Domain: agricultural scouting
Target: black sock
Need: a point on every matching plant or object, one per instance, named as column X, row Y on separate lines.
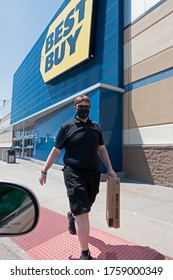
column 85, row 253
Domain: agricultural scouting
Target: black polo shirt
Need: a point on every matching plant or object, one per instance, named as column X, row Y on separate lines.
column 81, row 141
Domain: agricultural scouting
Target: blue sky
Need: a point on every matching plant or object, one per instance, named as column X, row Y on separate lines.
column 21, row 24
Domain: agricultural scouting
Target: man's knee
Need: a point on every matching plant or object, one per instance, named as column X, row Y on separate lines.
column 82, row 221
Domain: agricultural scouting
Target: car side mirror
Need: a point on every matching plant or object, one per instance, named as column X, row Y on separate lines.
column 19, row 209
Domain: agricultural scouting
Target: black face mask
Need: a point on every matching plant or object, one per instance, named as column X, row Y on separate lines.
column 82, row 113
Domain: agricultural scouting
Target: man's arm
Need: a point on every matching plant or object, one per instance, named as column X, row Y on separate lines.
column 50, row 160
column 106, row 160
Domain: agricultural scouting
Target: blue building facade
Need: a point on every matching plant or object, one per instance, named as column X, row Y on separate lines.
column 39, row 108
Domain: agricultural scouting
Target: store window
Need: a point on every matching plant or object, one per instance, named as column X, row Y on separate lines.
column 23, row 142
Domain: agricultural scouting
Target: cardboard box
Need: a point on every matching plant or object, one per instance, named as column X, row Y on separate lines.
column 113, row 202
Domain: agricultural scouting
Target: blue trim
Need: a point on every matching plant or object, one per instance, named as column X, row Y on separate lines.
column 150, row 79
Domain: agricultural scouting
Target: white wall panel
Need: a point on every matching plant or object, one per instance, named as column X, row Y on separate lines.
column 135, row 8
column 153, row 135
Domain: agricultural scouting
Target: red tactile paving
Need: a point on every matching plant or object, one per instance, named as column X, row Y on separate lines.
column 51, row 241
column 50, row 225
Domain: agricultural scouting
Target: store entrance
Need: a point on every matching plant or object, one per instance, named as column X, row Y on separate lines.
column 17, row 145
column 28, row 147
column 23, row 142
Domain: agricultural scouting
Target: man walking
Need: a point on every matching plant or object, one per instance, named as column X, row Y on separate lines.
column 83, row 143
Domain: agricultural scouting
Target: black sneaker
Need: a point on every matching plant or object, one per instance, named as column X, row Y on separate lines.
column 71, row 223
column 86, row 256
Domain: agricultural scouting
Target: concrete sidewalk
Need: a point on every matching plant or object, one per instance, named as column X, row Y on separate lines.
column 146, row 210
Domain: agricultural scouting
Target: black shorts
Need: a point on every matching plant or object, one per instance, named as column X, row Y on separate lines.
column 82, row 188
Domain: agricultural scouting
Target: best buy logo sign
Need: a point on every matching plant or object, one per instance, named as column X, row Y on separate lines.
column 67, row 43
